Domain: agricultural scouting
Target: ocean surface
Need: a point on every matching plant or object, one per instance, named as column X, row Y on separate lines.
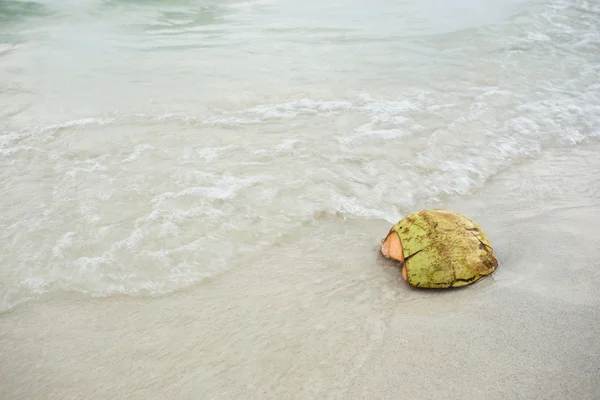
column 146, row 146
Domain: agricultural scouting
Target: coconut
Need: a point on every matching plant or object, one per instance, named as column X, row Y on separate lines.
column 439, row 249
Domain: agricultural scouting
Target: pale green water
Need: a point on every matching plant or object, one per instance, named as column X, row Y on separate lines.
column 136, row 137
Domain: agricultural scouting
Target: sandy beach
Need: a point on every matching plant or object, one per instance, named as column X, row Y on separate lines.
column 303, row 327
column 194, row 194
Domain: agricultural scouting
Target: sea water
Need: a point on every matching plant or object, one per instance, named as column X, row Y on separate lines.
column 148, row 145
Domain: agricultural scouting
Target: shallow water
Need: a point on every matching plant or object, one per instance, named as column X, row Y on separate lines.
column 146, row 146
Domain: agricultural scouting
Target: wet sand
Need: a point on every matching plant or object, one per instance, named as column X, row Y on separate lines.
column 321, row 315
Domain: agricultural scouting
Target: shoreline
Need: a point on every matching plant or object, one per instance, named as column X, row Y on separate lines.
column 339, row 322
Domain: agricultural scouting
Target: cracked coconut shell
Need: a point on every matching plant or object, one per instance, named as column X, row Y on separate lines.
column 440, row 249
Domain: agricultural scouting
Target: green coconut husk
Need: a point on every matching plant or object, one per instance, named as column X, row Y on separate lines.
column 440, row 249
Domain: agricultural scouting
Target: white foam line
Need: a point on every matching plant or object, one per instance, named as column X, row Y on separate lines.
column 137, row 152
column 76, row 123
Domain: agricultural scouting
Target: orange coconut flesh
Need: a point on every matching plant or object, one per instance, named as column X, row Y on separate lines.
column 392, row 248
